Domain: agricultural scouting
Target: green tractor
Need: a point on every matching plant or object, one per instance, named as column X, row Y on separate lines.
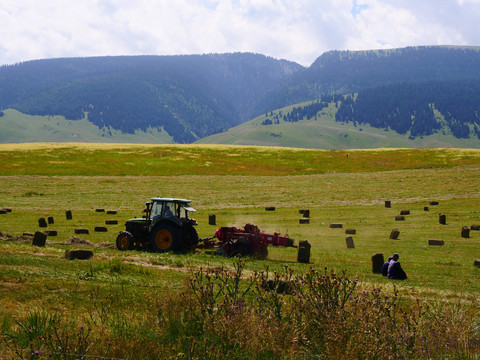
column 166, row 226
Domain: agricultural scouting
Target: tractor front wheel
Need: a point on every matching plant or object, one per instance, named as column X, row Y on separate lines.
column 124, row 241
column 165, row 237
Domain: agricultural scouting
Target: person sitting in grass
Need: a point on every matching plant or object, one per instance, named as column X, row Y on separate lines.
column 395, row 270
column 385, row 266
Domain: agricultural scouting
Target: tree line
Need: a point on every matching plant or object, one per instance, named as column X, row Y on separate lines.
column 417, row 108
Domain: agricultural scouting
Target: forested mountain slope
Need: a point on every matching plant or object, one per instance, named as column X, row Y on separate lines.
column 187, row 96
column 418, row 109
column 345, row 72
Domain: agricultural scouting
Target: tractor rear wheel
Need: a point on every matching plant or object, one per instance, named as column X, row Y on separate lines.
column 190, row 237
column 125, row 241
column 165, row 237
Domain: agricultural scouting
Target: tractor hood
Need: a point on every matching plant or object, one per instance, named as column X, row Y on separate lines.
column 137, row 220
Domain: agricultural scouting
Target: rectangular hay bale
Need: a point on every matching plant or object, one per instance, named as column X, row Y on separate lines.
column 349, row 241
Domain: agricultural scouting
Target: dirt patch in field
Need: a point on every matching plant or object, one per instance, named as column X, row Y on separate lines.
column 8, row 237
column 76, row 241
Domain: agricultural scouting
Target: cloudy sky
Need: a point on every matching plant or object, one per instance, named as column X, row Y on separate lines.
column 297, row 30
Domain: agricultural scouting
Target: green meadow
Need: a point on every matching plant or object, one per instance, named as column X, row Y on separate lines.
column 125, row 297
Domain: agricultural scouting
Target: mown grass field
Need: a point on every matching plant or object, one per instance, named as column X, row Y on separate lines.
column 235, row 184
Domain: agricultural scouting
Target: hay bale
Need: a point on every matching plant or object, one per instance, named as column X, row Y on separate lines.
column 476, row 263
column 405, row 212
column 336, row 225
column 349, row 241
column 3, row 212
column 68, row 214
column 394, row 234
column 436, row 242
column 9, row 210
column 433, row 202
column 81, row 231
column 442, row 219
column 99, row 210
column 51, row 232
column 112, row 212
column 303, row 255
column 350, row 231
column 111, row 222
column 78, row 254
column 399, row 218
column 425, row 208
column 100, row 229
column 465, row 232
column 50, row 220
column 475, row 227
column 42, row 222
column 270, row 208
column 39, row 239
column 388, row 204
column 377, row 263
column 212, row 219
column 304, row 221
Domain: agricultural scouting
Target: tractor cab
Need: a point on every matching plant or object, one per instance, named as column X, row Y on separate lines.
column 176, row 210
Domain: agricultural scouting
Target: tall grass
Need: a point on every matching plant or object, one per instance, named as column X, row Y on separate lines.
column 283, row 315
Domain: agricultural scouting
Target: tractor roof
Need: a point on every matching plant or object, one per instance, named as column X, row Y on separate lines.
column 182, row 201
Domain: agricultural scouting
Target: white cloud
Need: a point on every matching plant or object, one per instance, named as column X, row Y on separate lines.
column 295, row 30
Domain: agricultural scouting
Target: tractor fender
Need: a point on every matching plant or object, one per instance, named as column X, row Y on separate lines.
column 158, row 222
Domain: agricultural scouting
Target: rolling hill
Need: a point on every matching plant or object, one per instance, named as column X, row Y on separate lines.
column 322, row 131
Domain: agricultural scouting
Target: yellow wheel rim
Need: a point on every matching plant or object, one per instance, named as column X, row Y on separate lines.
column 123, row 242
column 163, row 239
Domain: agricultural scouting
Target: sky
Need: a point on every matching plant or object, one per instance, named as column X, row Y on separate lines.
column 295, row 30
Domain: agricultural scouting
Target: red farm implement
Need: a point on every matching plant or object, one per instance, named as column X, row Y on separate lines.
column 248, row 241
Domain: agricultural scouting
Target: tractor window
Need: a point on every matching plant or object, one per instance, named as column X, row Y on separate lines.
column 185, row 210
column 183, row 213
column 156, row 209
column 169, row 210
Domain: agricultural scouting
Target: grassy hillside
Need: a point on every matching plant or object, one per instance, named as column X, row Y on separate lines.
column 130, row 304
column 22, row 128
column 326, row 133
